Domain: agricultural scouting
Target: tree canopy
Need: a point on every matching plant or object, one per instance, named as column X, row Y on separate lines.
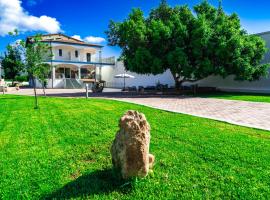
column 191, row 44
column 12, row 63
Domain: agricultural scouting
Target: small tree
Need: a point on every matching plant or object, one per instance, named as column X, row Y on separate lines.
column 35, row 54
column 12, row 63
column 192, row 45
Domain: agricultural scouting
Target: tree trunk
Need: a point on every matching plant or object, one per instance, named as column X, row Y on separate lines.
column 44, row 92
column 178, row 83
column 35, row 92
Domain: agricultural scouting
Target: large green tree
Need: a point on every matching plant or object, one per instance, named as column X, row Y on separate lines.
column 191, row 44
column 12, row 63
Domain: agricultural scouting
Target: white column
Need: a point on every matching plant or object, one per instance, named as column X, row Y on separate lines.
column 100, row 60
column 53, row 72
column 79, row 72
column 53, row 76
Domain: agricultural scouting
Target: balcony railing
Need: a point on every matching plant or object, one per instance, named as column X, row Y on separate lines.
column 94, row 60
column 109, row 60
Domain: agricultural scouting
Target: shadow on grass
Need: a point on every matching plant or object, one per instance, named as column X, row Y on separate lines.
column 98, row 182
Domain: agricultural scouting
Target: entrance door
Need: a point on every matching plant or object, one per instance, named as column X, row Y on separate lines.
column 67, row 72
column 74, row 73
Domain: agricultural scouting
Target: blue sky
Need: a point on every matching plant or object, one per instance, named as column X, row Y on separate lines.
column 87, row 18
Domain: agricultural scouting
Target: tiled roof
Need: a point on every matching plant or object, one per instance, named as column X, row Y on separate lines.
column 64, row 39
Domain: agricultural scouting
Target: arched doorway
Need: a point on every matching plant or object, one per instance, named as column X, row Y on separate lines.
column 66, row 71
column 88, row 71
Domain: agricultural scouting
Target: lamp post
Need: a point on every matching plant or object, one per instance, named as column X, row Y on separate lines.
column 86, row 90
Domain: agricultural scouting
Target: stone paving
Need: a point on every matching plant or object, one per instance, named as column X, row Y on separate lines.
column 250, row 114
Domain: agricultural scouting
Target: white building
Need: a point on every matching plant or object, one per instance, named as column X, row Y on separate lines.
column 73, row 61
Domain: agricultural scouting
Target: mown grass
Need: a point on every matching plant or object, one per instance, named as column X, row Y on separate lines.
column 61, row 151
column 239, row 96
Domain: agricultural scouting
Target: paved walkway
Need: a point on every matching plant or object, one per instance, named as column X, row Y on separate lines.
column 57, row 92
column 250, row 114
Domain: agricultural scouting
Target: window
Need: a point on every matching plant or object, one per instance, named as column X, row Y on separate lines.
column 76, row 54
column 88, row 57
column 60, row 52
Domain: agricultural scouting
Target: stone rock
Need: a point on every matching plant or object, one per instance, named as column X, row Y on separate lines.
column 130, row 148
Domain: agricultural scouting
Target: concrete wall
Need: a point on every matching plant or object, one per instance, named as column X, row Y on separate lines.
column 229, row 84
column 108, row 73
column 58, row 83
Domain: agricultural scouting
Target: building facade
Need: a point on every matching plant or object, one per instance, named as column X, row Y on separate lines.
column 73, row 61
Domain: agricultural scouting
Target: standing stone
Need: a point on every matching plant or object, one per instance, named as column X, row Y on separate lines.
column 130, row 148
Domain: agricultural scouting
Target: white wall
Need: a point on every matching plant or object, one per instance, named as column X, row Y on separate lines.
column 108, row 73
column 66, row 49
column 58, row 83
column 229, row 84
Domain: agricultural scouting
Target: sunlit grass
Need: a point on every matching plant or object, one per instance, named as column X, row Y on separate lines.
column 240, row 96
column 62, row 151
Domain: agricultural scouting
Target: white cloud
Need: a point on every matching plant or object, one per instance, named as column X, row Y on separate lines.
column 13, row 16
column 78, row 37
column 90, row 39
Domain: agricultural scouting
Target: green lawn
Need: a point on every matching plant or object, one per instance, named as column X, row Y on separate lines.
column 239, row 96
column 62, row 151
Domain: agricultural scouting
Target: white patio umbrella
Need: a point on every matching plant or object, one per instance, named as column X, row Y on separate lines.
column 124, row 76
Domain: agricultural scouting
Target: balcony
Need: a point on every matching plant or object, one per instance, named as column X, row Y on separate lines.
column 94, row 60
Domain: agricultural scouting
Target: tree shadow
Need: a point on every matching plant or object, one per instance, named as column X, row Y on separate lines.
column 98, row 182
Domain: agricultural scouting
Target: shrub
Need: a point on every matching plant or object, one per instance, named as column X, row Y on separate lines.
column 22, row 78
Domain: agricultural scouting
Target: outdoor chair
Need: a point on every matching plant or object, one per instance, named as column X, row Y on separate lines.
column 141, row 89
column 132, row 89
